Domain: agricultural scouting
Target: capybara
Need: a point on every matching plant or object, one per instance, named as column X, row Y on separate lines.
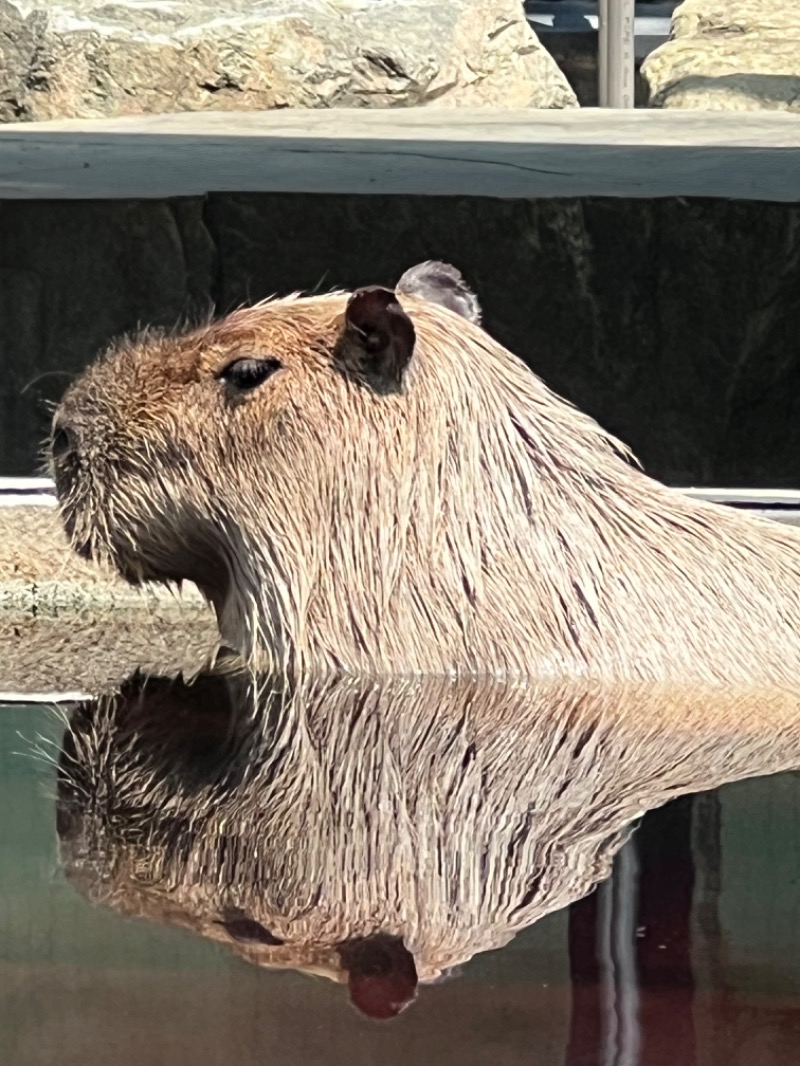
column 334, row 826
column 368, row 483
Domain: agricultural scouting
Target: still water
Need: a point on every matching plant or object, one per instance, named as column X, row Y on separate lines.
column 182, row 892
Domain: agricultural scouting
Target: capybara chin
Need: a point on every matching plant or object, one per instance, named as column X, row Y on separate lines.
column 369, row 483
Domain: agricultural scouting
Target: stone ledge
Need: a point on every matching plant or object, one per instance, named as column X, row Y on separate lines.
column 40, row 572
column 67, row 626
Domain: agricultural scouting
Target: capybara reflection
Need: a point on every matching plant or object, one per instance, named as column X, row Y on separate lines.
column 369, row 483
column 383, row 833
column 381, row 975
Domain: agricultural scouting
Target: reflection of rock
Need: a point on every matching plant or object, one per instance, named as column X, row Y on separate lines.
column 729, row 55
column 88, row 58
column 449, row 815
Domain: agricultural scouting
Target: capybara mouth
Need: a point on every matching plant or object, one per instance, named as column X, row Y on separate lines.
column 111, row 521
column 96, row 536
column 91, row 539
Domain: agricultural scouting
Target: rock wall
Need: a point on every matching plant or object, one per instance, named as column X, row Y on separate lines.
column 674, row 323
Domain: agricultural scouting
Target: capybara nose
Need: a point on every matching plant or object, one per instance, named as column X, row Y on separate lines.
column 62, row 441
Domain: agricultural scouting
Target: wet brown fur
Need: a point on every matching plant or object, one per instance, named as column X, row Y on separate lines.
column 468, row 520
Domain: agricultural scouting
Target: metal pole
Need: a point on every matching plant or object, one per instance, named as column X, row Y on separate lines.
column 602, row 53
column 615, row 61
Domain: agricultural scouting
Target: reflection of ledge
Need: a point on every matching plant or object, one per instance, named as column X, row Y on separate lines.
column 61, row 654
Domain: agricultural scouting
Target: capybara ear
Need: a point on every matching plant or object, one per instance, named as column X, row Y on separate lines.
column 442, row 284
column 381, row 974
column 379, row 336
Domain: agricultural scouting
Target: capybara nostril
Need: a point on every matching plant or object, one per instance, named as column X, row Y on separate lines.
column 62, row 441
column 240, row 928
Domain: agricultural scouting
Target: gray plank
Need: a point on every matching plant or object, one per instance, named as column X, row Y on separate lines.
column 425, row 151
column 749, row 497
column 783, row 505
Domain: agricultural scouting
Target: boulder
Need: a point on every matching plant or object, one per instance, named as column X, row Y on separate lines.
column 729, row 55
column 89, row 58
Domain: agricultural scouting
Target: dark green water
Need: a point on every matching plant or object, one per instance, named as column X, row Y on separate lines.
column 690, row 955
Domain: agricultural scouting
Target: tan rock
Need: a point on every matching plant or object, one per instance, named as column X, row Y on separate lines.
column 729, row 55
column 88, row 651
column 85, row 58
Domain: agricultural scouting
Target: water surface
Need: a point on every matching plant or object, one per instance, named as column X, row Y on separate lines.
column 689, row 953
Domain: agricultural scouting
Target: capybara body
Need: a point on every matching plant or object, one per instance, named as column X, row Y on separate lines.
column 370, row 483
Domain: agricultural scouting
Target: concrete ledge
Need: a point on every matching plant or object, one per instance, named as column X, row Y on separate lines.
column 417, row 151
column 69, row 627
column 39, row 572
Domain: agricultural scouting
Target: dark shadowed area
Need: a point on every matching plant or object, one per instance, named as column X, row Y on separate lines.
column 672, row 322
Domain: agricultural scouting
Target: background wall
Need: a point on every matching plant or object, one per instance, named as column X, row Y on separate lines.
column 675, row 323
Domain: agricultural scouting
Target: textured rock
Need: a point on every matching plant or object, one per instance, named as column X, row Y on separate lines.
column 88, row 58
column 730, row 55
column 17, row 46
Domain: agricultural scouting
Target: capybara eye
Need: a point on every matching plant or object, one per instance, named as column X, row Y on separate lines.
column 247, row 929
column 248, row 373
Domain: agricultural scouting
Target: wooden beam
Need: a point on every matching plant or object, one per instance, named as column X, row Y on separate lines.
column 415, row 151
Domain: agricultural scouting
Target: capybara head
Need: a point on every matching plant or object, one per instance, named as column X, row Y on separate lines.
column 369, row 483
